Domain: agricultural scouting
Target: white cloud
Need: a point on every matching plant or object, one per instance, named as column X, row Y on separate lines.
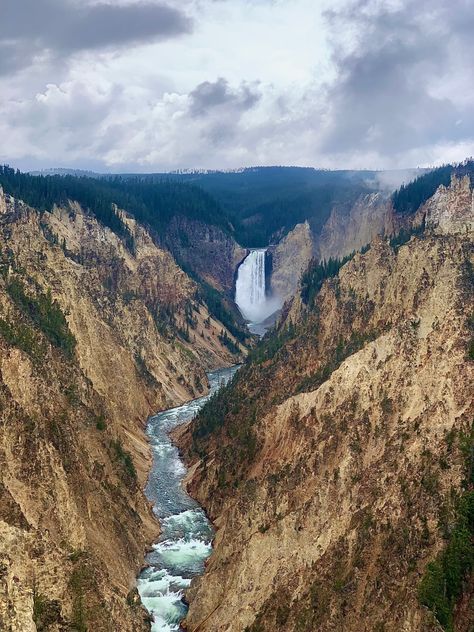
column 256, row 82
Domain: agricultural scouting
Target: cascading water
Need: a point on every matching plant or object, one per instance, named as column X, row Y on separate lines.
column 186, row 533
column 250, row 290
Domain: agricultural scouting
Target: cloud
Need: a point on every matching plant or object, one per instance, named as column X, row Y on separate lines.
column 208, row 96
column 29, row 28
column 388, row 96
column 12, row 58
column 368, row 83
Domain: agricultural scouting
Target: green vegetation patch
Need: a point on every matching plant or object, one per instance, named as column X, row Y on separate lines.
column 24, row 337
column 343, row 350
column 404, row 236
column 411, row 196
column 81, row 581
column 470, row 344
column 46, row 612
column 269, row 346
column 317, row 272
column 221, row 312
column 212, row 414
column 227, row 342
column 444, row 580
column 46, row 314
column 125, row 459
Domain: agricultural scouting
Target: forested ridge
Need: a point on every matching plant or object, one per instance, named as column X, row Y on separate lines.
column 265, row 203
column 409, row 197
column 152, row 203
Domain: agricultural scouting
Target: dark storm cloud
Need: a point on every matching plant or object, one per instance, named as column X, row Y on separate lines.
column 29, row 28
column 399, row 90
column 12, row 58
column 383, row 99
column 210, row 95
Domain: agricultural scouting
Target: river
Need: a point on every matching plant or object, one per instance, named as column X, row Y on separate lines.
column 186, row 533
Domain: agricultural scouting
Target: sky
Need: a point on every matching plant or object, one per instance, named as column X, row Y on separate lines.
column 152, row 85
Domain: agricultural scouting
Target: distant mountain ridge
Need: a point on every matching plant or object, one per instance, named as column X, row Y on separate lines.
column 264, row 203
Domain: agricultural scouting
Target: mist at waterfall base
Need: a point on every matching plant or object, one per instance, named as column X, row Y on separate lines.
column 251, row 296
column 186, row 534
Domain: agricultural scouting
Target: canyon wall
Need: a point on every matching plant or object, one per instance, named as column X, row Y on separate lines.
column 349, row 228
column 333, row 465
column 206, row 250
column 95, row 336
column 290, row 258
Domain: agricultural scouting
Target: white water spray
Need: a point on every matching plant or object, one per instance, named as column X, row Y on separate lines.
column 250, row 290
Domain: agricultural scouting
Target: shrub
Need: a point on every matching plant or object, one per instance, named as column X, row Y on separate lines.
column 444, row 579
column 100, row 423
column 470, row 345
column 46, row 314
column 126, row 461
column 470, row 349
column 45, row 612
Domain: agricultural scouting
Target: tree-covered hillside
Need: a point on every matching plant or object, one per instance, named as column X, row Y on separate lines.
column 154, row 203
column 411, row 196
column 265, row 203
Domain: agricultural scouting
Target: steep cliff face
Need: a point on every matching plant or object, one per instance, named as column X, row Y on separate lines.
column 206, row 250
column 74, row 398
column 349, row 229
column 332, row 464
column 451, row 209
column 290, row 258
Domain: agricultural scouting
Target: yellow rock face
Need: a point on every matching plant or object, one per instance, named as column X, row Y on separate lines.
column 74, row 522
column 330, row 524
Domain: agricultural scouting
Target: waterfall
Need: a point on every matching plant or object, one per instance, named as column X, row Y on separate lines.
column 250, row 291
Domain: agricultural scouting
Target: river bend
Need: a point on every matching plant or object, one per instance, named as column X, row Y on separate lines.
column 186, row 533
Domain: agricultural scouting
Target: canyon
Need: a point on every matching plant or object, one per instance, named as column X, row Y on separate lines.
column 74, row 523
column 333, row 464
column 330, row 466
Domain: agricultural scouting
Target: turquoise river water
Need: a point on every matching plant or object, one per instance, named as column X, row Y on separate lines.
column 186, row 533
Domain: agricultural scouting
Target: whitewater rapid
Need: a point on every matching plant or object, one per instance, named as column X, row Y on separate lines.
column 186, row 534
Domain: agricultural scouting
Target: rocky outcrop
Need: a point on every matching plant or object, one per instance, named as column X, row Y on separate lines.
column 332, row 464
column 3, row 203
column 207, row 250
column 451, row 209
column 351, row 228
column 74, row 522
column 290, row 258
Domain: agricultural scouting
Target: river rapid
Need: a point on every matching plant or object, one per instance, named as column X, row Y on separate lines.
column 186, row 533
